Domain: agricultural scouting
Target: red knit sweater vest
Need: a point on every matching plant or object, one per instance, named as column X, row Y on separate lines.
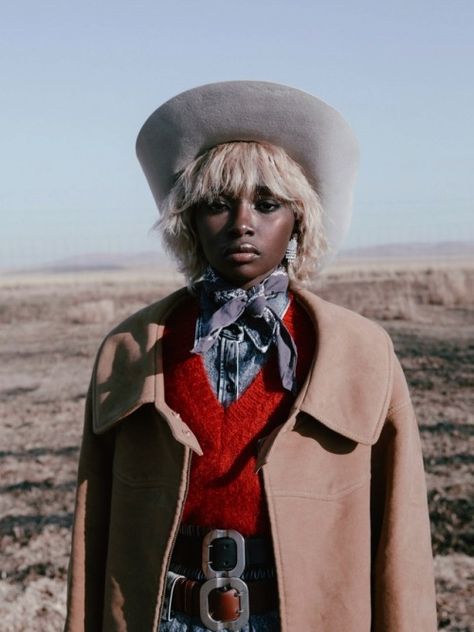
column 224, row 490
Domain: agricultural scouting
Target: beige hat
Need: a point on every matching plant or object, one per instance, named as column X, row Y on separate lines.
column 310, row 131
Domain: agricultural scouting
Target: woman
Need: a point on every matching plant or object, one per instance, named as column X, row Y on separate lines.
column 250, row 458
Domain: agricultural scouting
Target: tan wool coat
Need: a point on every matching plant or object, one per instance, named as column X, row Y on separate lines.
column 343, row 480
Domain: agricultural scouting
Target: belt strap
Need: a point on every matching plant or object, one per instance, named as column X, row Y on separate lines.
column 188, row 551
column 224, row 604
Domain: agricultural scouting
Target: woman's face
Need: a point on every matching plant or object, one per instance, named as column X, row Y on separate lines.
column 244, row 238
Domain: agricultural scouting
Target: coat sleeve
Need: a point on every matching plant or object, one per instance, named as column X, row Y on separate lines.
column 402, row 576
column 90, row 530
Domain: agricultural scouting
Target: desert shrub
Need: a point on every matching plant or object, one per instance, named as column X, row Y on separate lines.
column 450, row 287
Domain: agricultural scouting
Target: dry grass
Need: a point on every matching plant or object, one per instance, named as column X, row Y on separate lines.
column 102, row 311
column 50, row 331
column 399, row 294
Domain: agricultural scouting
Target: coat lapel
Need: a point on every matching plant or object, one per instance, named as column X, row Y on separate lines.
column 349, row 386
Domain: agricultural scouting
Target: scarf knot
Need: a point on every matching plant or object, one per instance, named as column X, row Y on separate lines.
column 223, row 304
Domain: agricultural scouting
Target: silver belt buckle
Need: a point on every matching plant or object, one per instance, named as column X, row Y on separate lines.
column 219, row 579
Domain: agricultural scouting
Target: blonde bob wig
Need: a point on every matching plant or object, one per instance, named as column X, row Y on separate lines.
column 236, row 169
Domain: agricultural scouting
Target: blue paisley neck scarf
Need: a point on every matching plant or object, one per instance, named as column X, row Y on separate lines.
column 227, row 303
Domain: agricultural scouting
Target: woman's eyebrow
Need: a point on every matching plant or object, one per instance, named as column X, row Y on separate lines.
column 264, row 190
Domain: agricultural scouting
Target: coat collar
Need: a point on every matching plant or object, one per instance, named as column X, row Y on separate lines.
column 347, row 389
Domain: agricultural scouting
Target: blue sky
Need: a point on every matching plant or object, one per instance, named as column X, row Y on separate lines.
column 79, row 79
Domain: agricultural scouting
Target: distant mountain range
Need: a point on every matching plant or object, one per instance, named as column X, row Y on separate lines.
column 97, row 261
column 422, row 250
column 156, row 259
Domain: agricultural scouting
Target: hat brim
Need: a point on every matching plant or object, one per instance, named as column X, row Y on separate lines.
column 310, row 131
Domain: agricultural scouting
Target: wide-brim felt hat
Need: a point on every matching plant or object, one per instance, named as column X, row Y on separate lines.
column 311, row 132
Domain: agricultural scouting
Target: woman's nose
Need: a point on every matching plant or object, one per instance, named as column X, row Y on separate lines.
column 242, row 219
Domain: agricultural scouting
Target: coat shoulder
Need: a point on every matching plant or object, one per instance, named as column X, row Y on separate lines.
column 125, row 368
column 154, row 313
column 344, row 319
column 374, row 341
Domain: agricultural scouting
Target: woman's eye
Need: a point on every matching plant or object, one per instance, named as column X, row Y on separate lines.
column 267, row 205
column 217, row 206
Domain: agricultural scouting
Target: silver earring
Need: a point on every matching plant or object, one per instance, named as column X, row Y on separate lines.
column 291, row 249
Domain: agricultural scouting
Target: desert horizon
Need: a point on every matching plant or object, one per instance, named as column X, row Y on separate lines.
column 431, row 252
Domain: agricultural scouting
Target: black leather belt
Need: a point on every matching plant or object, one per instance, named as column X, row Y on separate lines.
column 223, row 554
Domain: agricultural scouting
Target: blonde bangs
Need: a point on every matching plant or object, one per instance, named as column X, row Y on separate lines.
column 240, row 169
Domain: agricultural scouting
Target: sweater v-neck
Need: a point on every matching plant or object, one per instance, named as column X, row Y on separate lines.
column 224, row 475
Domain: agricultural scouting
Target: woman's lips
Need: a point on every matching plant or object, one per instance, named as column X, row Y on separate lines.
column 241, row 253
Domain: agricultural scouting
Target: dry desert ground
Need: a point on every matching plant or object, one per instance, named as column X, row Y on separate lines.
column 50, row 328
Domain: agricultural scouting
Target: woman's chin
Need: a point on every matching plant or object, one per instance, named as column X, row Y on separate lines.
column 241, row 274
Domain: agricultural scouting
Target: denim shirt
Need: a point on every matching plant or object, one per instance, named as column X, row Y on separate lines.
column 239, row 353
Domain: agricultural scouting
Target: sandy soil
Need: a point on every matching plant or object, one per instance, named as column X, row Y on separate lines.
column 49, row 333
